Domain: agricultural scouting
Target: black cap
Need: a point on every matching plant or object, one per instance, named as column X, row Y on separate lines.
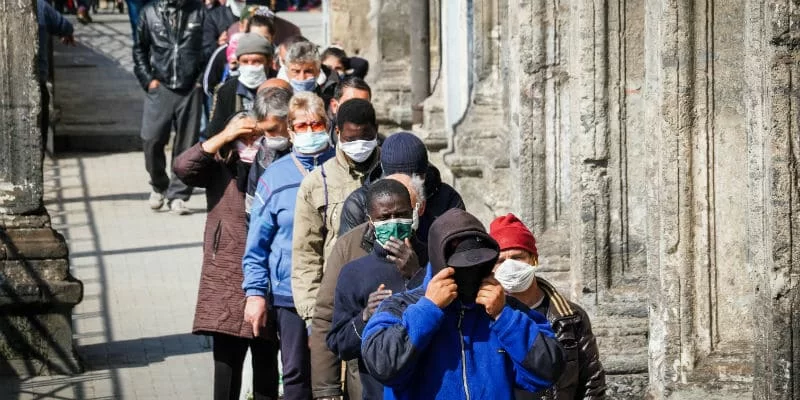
column 472, row 251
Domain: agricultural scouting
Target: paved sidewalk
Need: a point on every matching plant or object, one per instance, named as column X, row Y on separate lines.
column 140, row 269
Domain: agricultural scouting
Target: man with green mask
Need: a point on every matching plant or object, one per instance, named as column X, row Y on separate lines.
column 392, row 267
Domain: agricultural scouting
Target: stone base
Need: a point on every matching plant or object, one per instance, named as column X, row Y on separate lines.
column 37, row 294
column 38, row 343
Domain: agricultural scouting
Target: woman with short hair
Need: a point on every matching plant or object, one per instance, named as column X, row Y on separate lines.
column 267, row 262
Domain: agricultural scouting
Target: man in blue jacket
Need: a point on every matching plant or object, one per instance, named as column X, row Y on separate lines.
column 457, row 336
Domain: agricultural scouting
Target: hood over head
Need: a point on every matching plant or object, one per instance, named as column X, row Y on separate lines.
column 456, row 224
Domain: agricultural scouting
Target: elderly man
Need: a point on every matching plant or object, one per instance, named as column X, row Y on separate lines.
column 305, row 71
column 276, row 143
column 254, row 55
column 325, row 365
column 458, row 336
column 393, row 266
column 169, row 68
column 584, row 376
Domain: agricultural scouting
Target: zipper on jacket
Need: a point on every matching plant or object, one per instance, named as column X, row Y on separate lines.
column 463, row 355
column 177, row 41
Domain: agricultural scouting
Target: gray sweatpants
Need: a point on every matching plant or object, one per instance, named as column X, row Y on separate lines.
column 165, row 109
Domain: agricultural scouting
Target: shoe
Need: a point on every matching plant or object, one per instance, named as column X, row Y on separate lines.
column 83, row 16
column 120, row 7
column 156, row 200
column 178, row 207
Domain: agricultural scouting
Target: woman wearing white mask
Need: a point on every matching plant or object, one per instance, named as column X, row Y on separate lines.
column 584, row 376
column 220, row 165
column 267, row 262
column 254, row 56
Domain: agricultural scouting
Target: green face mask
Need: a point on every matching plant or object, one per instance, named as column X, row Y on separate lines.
column 398, row 228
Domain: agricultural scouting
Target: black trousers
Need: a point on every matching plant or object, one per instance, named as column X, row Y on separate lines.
column 229, row 354
column 165, row 109
column 295, row 354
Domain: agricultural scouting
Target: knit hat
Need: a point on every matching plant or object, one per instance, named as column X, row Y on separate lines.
column 253, row 43
column 403, row 152
column 511, row 233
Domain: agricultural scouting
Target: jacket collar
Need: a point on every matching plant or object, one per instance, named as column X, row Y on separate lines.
column 358, row 170
column 559, row 306
column 311, row 161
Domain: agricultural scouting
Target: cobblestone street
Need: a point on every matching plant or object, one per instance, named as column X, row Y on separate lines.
column 140, row 269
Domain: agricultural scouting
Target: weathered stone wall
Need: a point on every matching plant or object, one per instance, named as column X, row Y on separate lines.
column 652, row 147
column 37, row 292
column 378, row 31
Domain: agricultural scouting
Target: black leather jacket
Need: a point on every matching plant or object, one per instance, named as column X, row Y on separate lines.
column 170, row 46
column 584, row 377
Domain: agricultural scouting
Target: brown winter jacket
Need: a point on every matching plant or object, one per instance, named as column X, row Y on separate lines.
column 326, row 368
column 316, row 222
column 220, row 299
column 584, row 377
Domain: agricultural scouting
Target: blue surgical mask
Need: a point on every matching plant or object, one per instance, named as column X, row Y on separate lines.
column 311, row 143
column 307, row 85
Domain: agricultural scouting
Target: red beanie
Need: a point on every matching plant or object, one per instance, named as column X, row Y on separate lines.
column 511, row 233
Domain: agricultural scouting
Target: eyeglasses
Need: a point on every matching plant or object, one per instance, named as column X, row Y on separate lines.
column 304, row 126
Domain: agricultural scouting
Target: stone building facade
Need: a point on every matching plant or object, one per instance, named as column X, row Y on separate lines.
column 653, row 148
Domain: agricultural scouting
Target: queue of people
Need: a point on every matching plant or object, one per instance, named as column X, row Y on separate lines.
column 332, row 245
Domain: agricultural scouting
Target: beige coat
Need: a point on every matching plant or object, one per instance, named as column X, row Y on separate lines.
column 316, row 223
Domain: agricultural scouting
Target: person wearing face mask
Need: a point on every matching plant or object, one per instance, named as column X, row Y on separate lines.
column 304, row 71
column 326, row 366
column 276, row 142
column 253, row 55
column 584, row 376
column 458, row 336
column 169, row 69
column 267, row 261
column 365, row 282
column 348, row 89
column 404, row 152
column 220, row 165
column 321, row 194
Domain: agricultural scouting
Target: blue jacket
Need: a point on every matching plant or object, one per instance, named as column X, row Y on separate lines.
column 267, row 260
column 419, row 351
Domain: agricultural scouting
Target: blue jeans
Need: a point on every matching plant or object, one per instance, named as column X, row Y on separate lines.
column 134, row 7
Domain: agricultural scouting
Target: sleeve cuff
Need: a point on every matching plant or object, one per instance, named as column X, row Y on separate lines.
column 255, row 292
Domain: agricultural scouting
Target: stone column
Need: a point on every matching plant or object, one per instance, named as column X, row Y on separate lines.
column 378, row 31
column 773, row 223
column 37, row 292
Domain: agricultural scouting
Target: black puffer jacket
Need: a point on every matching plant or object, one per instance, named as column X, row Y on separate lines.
column 440, row 197
column 170, row 46
column 218, row 20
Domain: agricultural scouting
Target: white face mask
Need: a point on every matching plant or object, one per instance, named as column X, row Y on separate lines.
column 358, row 150
column 278, row 143
column 515, row 276
column 252, row 76
column 246, row 153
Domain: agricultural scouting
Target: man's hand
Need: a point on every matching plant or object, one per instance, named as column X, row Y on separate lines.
column 240, row 127
column 491, row 296
column 442, row 288
column 68, row 40
column 402, row 255
column 375, row 299
column 255, row 313
column 223, row 38
column 153, row 84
